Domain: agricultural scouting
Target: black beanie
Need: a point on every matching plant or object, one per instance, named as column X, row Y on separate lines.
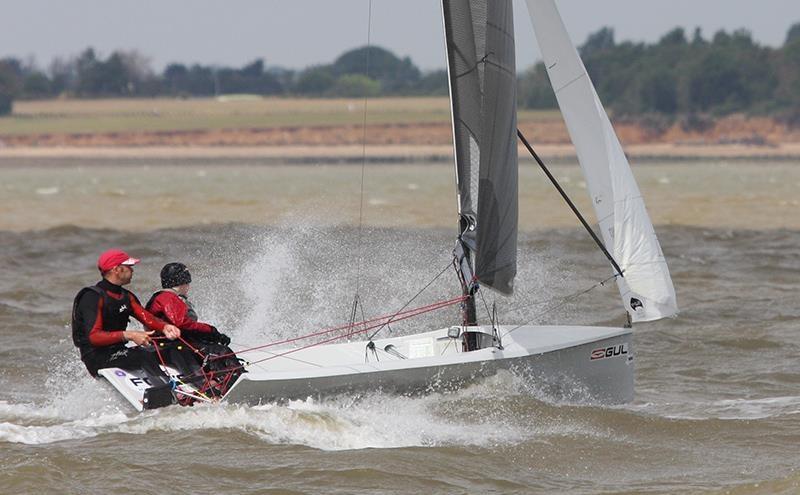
column 175, row 274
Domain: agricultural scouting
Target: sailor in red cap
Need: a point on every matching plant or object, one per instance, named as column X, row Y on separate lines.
column 100, row 316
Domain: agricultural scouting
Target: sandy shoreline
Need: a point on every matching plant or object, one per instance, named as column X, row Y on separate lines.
column 399, row 130
column 382, row 153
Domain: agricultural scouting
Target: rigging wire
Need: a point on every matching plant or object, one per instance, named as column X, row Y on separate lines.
column 486, row 305
column 360, row 244
column 434, row 279
column 360, row 247
column 561, row 303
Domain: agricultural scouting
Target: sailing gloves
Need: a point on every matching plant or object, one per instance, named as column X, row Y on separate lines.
column 222, row 338
column 219, row 337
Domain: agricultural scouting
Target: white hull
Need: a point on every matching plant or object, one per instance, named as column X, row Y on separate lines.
column 133, row 383
column 577, row 363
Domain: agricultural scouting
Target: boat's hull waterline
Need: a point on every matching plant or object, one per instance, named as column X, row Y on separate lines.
column 570, row 363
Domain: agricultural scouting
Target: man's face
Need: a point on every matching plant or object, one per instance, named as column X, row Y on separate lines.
column 124, row 274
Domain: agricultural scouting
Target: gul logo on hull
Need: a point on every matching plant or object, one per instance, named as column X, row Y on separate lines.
column 608, row 352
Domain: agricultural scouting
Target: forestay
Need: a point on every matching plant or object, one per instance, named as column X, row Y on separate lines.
column 482, row 75
column 627, row 232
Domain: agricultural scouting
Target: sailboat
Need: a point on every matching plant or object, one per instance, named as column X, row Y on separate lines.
column 597, row 361
column 588, row 363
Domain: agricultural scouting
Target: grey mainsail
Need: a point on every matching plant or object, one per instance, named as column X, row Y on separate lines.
column 480, row 55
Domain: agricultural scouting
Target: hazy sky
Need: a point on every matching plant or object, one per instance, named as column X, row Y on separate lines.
column 298, row 33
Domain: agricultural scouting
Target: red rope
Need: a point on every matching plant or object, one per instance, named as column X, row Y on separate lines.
column 399, row 316
column 158, row 353
column 407, row 314
column 196, row 351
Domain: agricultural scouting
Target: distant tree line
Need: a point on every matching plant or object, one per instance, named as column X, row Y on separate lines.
column 681, row 76
column 674, row 76
column 128, row 74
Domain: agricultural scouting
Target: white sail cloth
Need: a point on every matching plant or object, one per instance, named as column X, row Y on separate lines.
column 646, row 287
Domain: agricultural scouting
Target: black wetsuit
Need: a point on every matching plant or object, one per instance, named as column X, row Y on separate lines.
column 100, row 314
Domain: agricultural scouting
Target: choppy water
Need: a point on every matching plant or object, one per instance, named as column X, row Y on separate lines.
column 718, row 388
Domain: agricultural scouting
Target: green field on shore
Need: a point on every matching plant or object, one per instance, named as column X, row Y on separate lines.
column 143, row 115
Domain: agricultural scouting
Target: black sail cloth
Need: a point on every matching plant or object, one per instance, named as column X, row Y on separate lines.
column 482, row 74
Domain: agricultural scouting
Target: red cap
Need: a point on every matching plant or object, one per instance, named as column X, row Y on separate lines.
column 113, row 258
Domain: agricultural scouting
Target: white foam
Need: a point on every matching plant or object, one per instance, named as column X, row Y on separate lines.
column 755, row 408
column 372, row 421
column 27, row 412
column 71, row 430
column 726, row 409
column 269, row 296
column 47, row 191
column 260, row 283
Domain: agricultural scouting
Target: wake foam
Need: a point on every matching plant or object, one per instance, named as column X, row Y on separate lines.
column 488, row 414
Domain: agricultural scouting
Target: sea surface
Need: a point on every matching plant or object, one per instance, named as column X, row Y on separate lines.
column 280, row 251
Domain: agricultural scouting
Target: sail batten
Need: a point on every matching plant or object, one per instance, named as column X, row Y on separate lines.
column 481, row 68
column 625, row 227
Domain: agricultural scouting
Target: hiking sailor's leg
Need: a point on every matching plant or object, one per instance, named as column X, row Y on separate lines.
column 132, row 358
column 183, row 359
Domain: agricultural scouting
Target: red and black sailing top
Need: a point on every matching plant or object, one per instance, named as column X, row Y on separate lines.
column 101, row 313
column 176, row 309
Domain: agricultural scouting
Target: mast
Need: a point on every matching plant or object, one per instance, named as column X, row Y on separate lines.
column 462, row 252
column 479, row 37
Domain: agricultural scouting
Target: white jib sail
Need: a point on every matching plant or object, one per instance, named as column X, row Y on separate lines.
column 627, row 232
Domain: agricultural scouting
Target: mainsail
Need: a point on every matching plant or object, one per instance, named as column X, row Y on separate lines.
column 481, row 69
column 627, row 232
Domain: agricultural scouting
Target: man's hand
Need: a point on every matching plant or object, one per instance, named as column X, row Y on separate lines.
column 171, row 332
column 138, row 338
